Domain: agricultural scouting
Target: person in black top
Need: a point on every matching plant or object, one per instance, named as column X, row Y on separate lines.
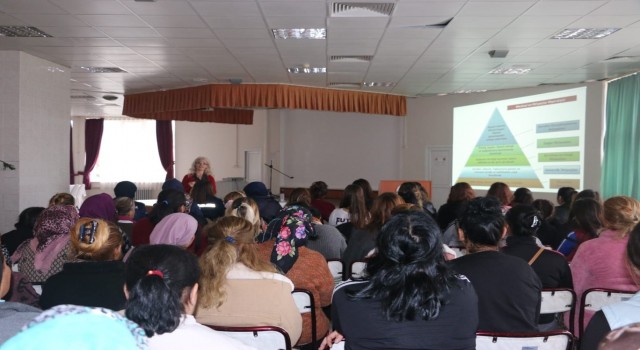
column 412, row 301
column 508, row 289
column 551, row 267
column 24, row 229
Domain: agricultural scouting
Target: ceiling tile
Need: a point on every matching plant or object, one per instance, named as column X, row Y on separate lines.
column 178, row 8
column 113, row 20
column 127, row 32
column 227, row 9
column 92, row 7
column 561, row 8
column 220, row 22
column 432, row 8
column 174, row 21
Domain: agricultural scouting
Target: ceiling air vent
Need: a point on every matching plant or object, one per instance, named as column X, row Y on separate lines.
column 23, row 32
column 351, row 58
column 362, row 9
column 103, row 70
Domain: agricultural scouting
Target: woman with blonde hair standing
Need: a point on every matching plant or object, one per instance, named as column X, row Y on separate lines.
column 200, row 171
column 232, row 273
column 600, row 262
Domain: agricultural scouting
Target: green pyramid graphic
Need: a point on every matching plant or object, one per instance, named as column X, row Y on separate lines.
column 498, row 157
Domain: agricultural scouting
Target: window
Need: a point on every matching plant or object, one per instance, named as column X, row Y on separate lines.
column 128, row 152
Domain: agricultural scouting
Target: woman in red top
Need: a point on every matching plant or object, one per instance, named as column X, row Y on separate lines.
column 200, row 171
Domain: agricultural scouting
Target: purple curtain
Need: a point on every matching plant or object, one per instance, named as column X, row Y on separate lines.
column 164, row 137
column 92, row 139
column 71, row 171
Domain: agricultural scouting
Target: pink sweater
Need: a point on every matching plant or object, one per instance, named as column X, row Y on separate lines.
column 600, row 263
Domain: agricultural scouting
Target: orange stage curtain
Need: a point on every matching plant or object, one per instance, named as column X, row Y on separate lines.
column 189, row 103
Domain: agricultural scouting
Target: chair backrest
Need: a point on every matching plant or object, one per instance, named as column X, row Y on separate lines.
column 557, row 300
column 306, row 304
column 357, row 270
column 595, row 298
column 335, row 266
column 259, row 337
column 553, row 340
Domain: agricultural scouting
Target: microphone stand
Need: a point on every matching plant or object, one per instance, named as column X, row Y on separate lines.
column 271, row 169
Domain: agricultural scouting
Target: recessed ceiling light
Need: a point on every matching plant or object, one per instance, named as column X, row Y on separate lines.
column 379, row 84
column 585, row 33
column 300, row 33
column 103, row 69
column 23, row 32
column 468, row 91
column 515, row 70
column 307, row 70
column 354, row 59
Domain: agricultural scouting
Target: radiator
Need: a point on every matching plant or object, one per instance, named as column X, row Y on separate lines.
column 146, row 190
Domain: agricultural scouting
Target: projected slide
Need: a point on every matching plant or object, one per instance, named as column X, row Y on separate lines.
column 534, row 141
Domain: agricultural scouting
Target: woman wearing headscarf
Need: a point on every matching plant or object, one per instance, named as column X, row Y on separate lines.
column 176, row 229
column 99, row 206
column 283, row 243
column 79, row 327
column 44, row 255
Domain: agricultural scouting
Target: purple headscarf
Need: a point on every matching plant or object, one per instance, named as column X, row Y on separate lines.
column 99, row 206
column 176, row 229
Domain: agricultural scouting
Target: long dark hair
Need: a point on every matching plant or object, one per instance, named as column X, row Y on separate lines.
column 408, row 274
column 353, row 199
column 159, row 279
column 587, row 215
column 367, row 191
column 169, row 201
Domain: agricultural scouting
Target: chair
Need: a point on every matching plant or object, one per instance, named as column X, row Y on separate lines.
column 335, row 266
column 553, row 340
column 559, row 300
column 306, row 304
column 260, row 337
column 595, row 298
column 357, row 270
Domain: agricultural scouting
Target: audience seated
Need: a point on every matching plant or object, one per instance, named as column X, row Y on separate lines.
column 328, row 241
column 247, row 208
column 363, row 241
column 193, row 210
column 24, row 229
column 128, row 189
column 352, row 212
column 502, row 193
column 169, row 201
column 62, row 198
column 412, row 300
column 162, row 292
column 230, row 197
column 79, row 327
column 414, row 193
column 523, row 221
column 548, row 234
column 283, row 244
column 125, row 208
column 623, row 338
column 318, row 192
column 621, row 314
column 585, row 222
column 43, row 256
column 522, row 195
column 176, row 229
column 99, row 206
column 269, row 207
column 367, row 191
column 202, row 194
column 459, row 195
column 95, row 274
column 12, row 315
column 237, row 288
column 508, row 289
column 600, row 262
column 564, row 199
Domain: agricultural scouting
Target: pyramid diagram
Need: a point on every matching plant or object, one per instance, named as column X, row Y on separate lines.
column 498, row 157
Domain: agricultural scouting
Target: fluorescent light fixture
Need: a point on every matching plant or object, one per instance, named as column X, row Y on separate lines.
column 103, row 69
column 513, row 70
column 300, row 33
column 307, row 70
column 468, row 91
column 379, row 84
column 585, row 33
column 23, row 32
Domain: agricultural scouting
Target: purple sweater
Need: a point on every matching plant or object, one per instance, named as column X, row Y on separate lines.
column 600, row 263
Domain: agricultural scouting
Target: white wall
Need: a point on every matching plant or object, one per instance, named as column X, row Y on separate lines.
column 430, row 122
column 223, row 144
column 34, row 132
column 338, row 148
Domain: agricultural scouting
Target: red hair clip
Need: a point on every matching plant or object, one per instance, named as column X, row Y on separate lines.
column 155, row 273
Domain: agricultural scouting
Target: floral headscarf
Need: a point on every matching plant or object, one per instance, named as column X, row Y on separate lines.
column 53, row 223
column 78, row 327
column 291, row 228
